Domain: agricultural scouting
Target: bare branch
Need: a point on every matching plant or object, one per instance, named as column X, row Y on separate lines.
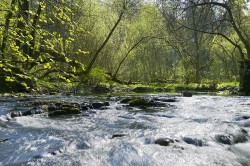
column 232, row 21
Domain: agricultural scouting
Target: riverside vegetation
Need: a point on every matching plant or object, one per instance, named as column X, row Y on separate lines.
column 91, row 42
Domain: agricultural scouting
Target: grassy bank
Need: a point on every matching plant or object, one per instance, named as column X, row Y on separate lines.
column 47, row 87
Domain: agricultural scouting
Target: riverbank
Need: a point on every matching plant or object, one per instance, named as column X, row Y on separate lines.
column 220, row 88
column 46, row 88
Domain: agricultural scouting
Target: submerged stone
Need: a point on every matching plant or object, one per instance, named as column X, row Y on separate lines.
column 82, row 145
column 245, row 117
column 99, row 105
column 32, row 112
column 3, row 140
column 170, row 100
column 15, row 114
column 193, row 141
column 224, row 139
column 106, row 103
column 230, row 139
column 164, row 141
column 84, row 108
column 119, row 135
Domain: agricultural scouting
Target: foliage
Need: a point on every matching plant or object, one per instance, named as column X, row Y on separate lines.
column 45, row 43
column 97, row 76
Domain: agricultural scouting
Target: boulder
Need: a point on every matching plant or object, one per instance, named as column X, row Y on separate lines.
column 58, row 109
column 65, row 111
column 187, row 94
column 143, row 89
column 231, row 139
column 100, row 89
column 141, row 102
column 97, row 105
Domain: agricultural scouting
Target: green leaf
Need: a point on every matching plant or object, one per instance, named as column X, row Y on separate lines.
column 67, row 60
column 9, row 79
column 25, row 85
column 79, row 51
column 65, row 79
column 6, row 69
column 74, row 69
column 46, row 66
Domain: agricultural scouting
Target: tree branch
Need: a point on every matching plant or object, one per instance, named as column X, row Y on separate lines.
column 219, row 34
column 235, row 27
column 104, row 43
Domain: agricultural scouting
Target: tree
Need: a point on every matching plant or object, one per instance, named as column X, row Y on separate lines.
column 29, row 50
column 124, row 5
column 234, row 16
column 192, row 46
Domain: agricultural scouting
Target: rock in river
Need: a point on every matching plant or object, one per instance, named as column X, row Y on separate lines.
column 119, row 135
column 164, row 141
column 187, row 94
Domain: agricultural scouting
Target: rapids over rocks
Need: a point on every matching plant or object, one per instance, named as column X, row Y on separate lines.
column 162, row 130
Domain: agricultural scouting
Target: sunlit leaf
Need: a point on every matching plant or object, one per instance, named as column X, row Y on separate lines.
column 46, row 66
column 9, row 79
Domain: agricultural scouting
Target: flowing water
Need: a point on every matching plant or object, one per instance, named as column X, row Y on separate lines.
column 203, row 130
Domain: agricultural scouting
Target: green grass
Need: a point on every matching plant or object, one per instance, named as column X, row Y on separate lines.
column 47, row 86
column 227, row 84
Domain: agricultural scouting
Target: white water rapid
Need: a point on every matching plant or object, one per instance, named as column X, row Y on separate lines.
column 201, row 131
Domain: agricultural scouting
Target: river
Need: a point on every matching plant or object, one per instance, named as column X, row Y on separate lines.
column 199, row 131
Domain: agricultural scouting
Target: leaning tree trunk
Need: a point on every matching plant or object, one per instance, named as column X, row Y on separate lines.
column 245, row 78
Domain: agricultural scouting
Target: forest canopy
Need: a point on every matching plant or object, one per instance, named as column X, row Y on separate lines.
column 146, row 41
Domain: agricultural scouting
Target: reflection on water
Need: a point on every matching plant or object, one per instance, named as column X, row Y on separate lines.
column 201, row 130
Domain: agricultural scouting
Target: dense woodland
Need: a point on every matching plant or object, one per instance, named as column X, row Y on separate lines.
column 125, row 41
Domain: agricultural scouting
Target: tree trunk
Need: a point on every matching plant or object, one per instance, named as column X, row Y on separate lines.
column 196, row 49
column 89, row 67
column 34, row 26
column 125, row 57
column 6, row 29
column 245, row 78
column 23, row 18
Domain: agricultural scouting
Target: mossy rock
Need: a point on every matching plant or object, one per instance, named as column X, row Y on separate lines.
column 138, row 102
column 143, row 89
column 65, row 111
column 126, row 100
column 71, row 109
